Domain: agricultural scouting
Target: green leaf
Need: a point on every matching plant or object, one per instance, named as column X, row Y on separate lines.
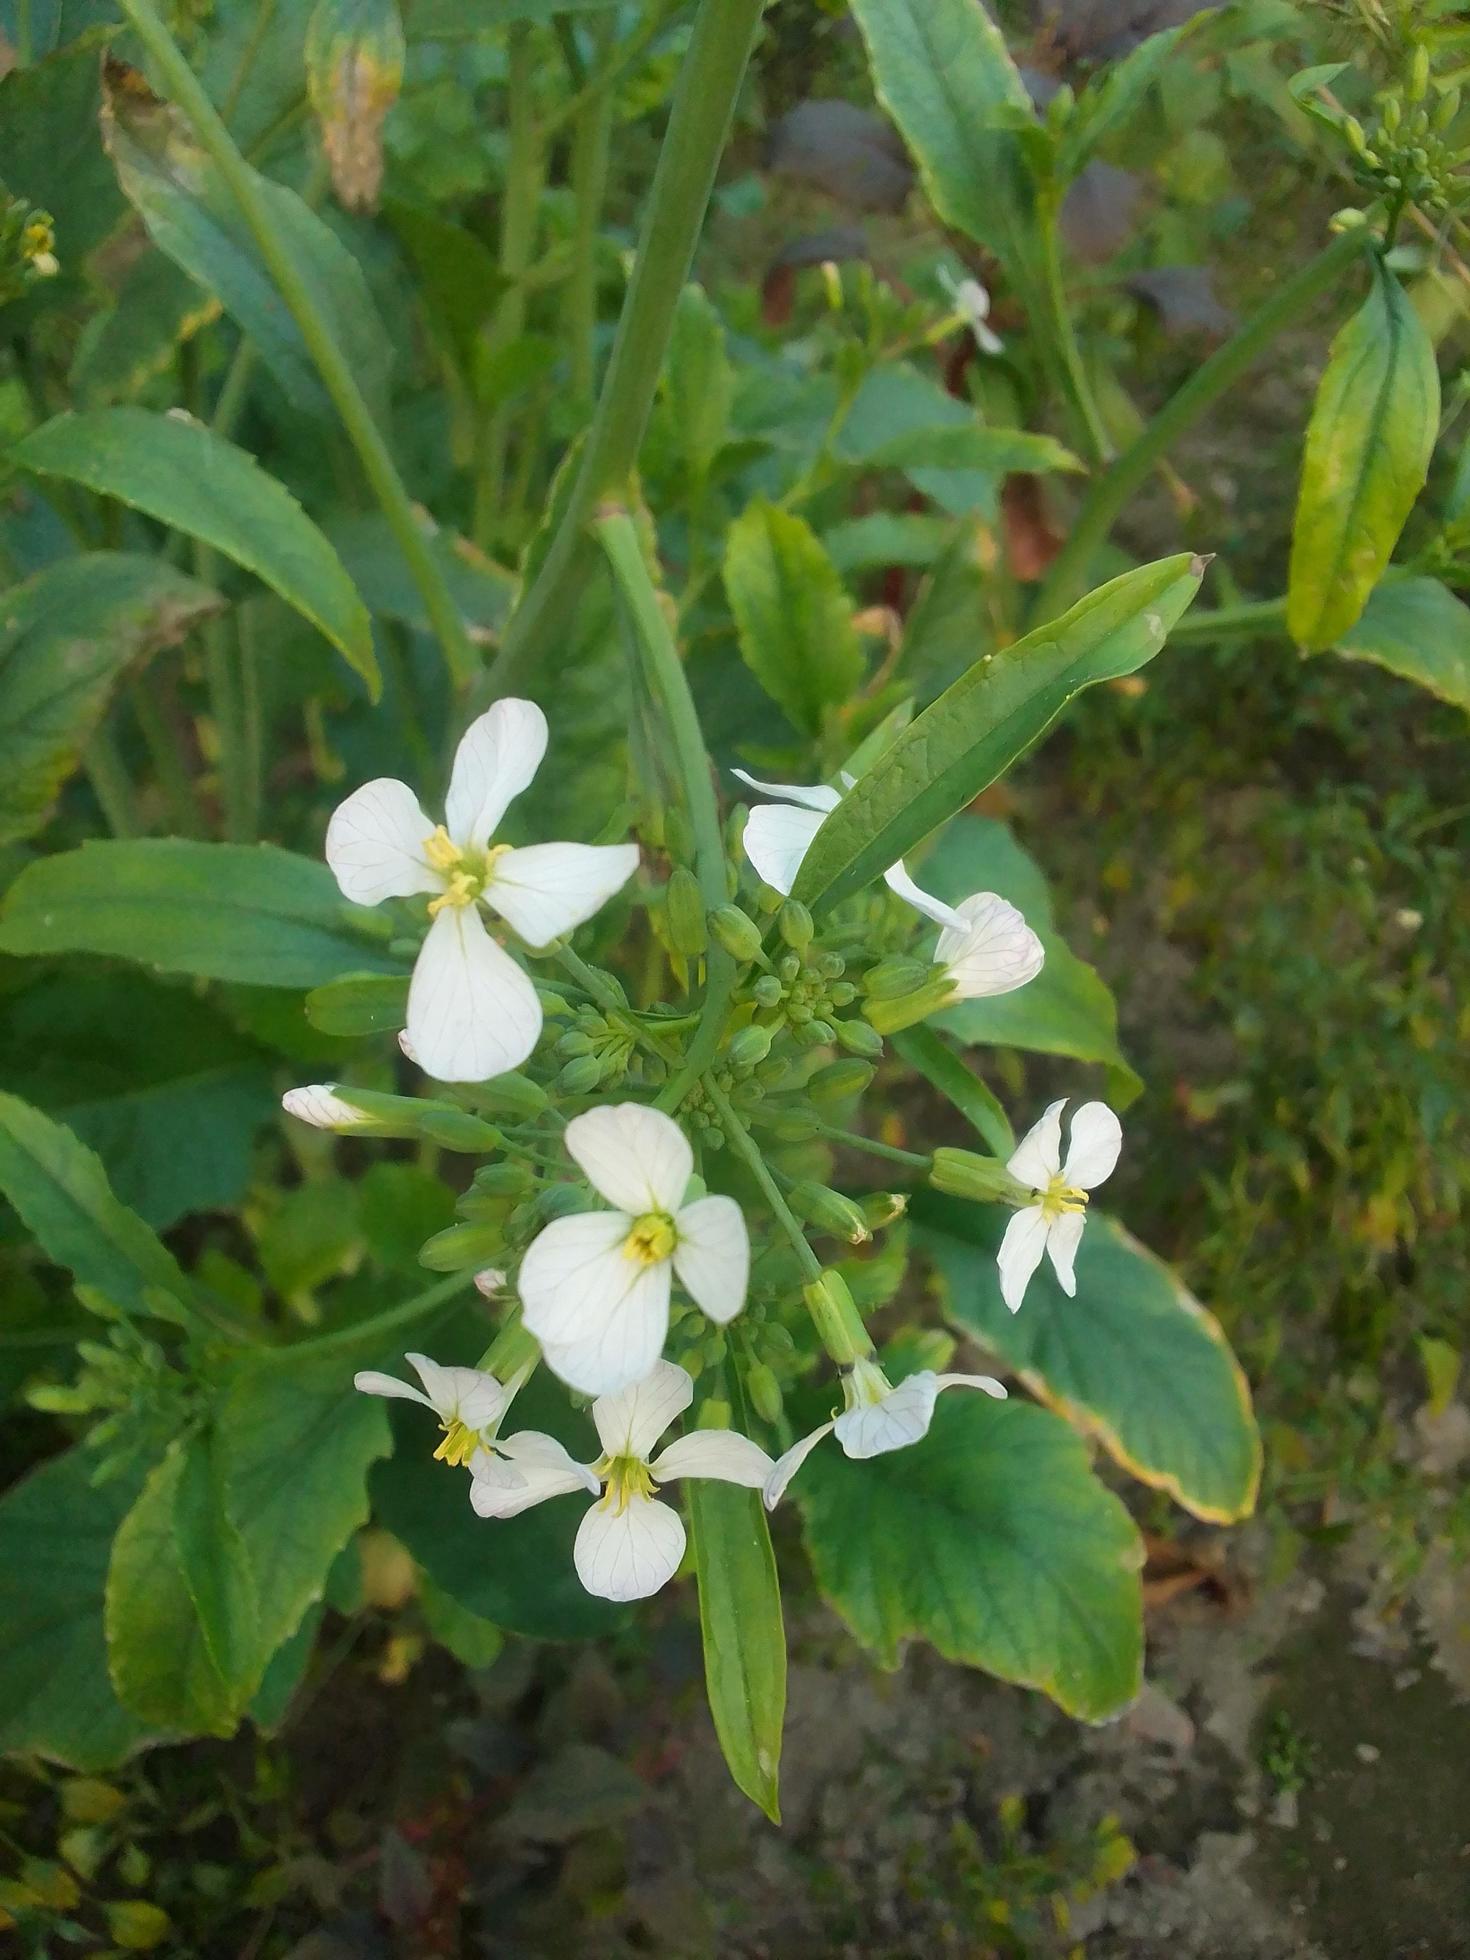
column 1068, row 1008
column 359, row 1003
column 446, row 20
column 216, row 1568
column 943, row 1070
column 456, row 276
column 883, row 538
column 698, row 383
column 56, row 1698
column 192, row 216
column 157, row 308
column 182, row 473
column 284, row 1673
column 50, row 152
column 992, row 1540
column 793, row 619
column 61, row 1192
column 743, row 1633
column 481, row 589
column 1417, row 628
column 66, row 636
column 1133, row 1360
column 1369, row 442
column 246, row 912
column 473, row 1641
column 897, row 404
column 942, row 71
column 973, row 446
column 976, row 729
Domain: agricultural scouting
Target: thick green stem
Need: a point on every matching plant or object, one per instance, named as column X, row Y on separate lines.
column 667, row 682
column 1232, row 622
column 1111, row 492
column 704, row 102
column 337, row 377
column 1060, row 340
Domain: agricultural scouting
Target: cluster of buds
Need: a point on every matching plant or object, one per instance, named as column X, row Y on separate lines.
column 1409, row 157
column 145, row 1401
column 27, row 246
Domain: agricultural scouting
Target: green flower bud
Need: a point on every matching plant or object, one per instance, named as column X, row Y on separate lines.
column 512, row 1094
column 890, row 979
column 790, row 1125
column 764, row 1392
column 716, row 1413
column 502, row 1180
column 751, row 1045
column 678, row 837
column 839, row 1080
column 813, row 1034
column 831, row 966
column 830, row 1211
column 460, row 1247
column 768, row 991
column 456, row 1129
column 890, row 1016
column 790, row 969
column 684, row 911
column 842, row 993
column 964, row 1174
column 836, row 1319
column 1419, row 74
column 576, row 1041
column 580, row 1075
column 884, row 1208
column 558, row 1201
column 858, row 1038
column 737, row 932
column 796, row 925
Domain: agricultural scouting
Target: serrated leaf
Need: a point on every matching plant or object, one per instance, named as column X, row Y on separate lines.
column 978, row 727
column 182, row 473
column 792, row 617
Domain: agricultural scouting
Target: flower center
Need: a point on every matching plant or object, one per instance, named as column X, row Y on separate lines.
column 624, row 1478
column 865, row 1384
column 466, row 873
column 459, row 1444
column 651, row 1240
column 1059, row 1198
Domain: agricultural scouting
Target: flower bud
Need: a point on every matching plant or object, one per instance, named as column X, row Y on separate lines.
column 830, row 1211
column 492, row 1281
column 964, row 1174
column 461, row 1246
column 812, row 1033
column 684, row 912
column 1419, row 74
column 883, row 1208
column 737, row 932
column 836, row 1319
column 678, row 837
column 859, row 1038
column 768, row 991
column 512, row 1094
column 576, row 1041
column 716, row 1413
column 751, row 1045
column 789, row 1125
column 796, row 925
column 764, row 1392
column 894, row 977
column 580, row 1075
column 456, row 1129
column 839, row 1080
column 891, row 1016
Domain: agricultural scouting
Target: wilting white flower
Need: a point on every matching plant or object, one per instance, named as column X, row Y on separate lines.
column 971, row 299
column 878, row 1417
column 469, row 1403
column 472, row 1012
column 319, row 1104
column 991, row 951
column 1052, row 1223
column 629, row 1544
column 595, row 1286
column 779, row 835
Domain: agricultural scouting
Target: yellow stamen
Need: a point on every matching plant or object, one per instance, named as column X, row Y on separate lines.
column 651, row 1240
column 1059, row 1198
column 625, row 1478
column 459, row 1444
column 441, row 850
column 463, row 889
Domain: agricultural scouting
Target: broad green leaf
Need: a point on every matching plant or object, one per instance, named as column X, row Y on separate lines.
column 743, row 1633
column 1110, row 101
column 157, row 308
column 1067, row 1009
column 793, row 619
column 284, row 1673
column 1369, row 442
column 359, row 1003
column 56, row 1698
column 216, row 1568
column 456, row 275
column 192, row 216
column 1417, row 628
column 471, row 1640
column 897, row 404
column 1133, row 1360
column 941, row 69
column 978, row 727
column 883, row 538
column 972, row 446
column 481, row 589
column 246, row 912
column 50, row 150
column 992, row 1540
column 61, row 1192
column 943, row 1070
column 186, row 476
column 66, row 635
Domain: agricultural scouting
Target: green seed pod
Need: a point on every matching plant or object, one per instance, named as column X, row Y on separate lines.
column 580, row 1075
column 965, row 1174
column 894, row 977
column 796, row 925
column 838, row 1080
column 460, row 1247
column 751, row 1045
column 859, row 1039
column 764, row 1392
column 830, row 1211
column 684, row 911
column 737, row 932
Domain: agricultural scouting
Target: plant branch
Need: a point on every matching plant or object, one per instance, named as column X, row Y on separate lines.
column 741, row 1143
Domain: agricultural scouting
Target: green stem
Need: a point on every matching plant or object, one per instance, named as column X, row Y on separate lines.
column 1111, row 491
column 667, row 682
column 337, row 376
column 518, row 210
column 233, row 390
column 405, row 1314
column 855, row 1140
column 111, row 784
column 741, row 1143
column 596, row 988
column 704, row 103
column 252, row 733
column 943, row 1070
column 591, row 148
column 1060, row 338
column 1231, row 622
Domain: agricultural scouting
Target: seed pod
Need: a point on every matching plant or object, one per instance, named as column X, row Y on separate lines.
column 838, row 1080
column 684, row 911
column 796, row 925
column 580, row 1075
column 890, row 979
column 751, row 1045
column 737, row 932
column 764, row 1392
column 859, row 1039
column 830, row 1211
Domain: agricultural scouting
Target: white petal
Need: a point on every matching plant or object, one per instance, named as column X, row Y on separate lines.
column 574, row 1274
column 1038, row 1157
column 901, row 1418
column 818, row 797
column 1093, row 1146
column 546, row 890
column 712, row 1256
column 439, row 1383
column 993, row 951
column 723, row 1454
column 631, row 1423
column 1062, row 1242
column 529, row 1468
column 638, row 1158
column 986, row 338
column 776, row 840
column 987, row 1384
column 375, row 844
column 319, row 1104
column 898, row 880
column 1020, row 1253
column 479, row 1399
column 472, row 1013
column 497, row 757
column 370, row 1382
column 629, row 1554
column 788, row 1465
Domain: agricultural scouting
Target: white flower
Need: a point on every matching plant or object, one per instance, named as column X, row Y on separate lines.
column 319, row 1104
column 779, row 835
column 629, row 1544
column 472, row 1012
column 878, row 1417
column 1052, row 1223
column 595, row 1286
column 469, row 1403
column 991, row 950
column 971, row 299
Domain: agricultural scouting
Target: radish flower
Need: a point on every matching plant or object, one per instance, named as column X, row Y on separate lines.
column 595, row 1286
column 878, row 1417
column 472, row 1012
column 629, row 1544
column 469, row 1403
column 1052, row 1223
column 991, row 950
column 970, row 298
